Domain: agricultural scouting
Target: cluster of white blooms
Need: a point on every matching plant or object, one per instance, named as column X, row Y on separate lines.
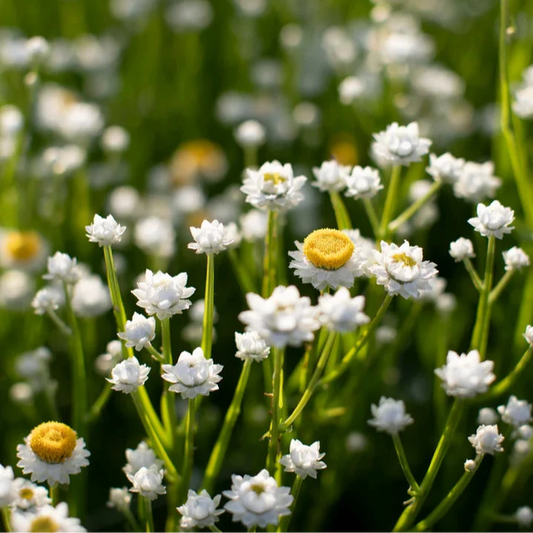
column 516, row 412
column 46, row 518
column 465, row 375
column 211, row 238
column 390, row 416
column 192, row 375
column 402, row 270
column 286, row 318
column 303, row 460
column 487, row 439
column 493, row 220
column 128, row 375
column 476, row 182
column 144, row 471
column 200, row 510
column 105, row 231
column 139, row 332
column 341, row 312
column 363, row 182
column 515, row 259
column 461, row 249
column 445, row 168
column 250, row 345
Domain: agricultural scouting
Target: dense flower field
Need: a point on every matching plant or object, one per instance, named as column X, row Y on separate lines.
column 265, row 265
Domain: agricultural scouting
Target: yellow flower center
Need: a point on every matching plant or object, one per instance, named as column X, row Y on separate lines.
column 23, row 245
column 274, row 177
column 328, row 248
column 44, row 524
column 53, row 442
column 26, row 493
column 405, row 259
column 258, row 489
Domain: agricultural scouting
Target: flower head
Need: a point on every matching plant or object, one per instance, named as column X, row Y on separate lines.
column 48, row 299
column 192, row 375
column 445, row 168
column 330, row 176
column 211, row 238
column 390, row 416
column 46, row 518
column 52, row 452
column 493, row 220
column 516, row 412
column 140, row 332
column 524, row 515
column 363, row 182
column 105, row 362
column 257, row 500
column 155, row 236
column 528, row 335
column 148, row 482
column 487, row 440
column 128, row 375
column 476, row 182
column 250, row 133
column 29, row 495
column 119, row 498
column 303, row 460
column 250, row 345
column 515, row 259
column 341, row 312
column 90, row 297
column 487, row 415
column 8, row 491
column 465, row 375
column 105, row 231
column 461, row 249
column 62, row 267
column 143, row 455
column 200, row 510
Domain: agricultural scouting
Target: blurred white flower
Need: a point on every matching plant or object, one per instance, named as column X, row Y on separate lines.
column 250, row 133
column 105, row 362
column 330, row 176
column 128, row 375
column 254, row 225
column 63, row 268
column 516, row 412
column 487, row 440
column 528, row 335
column 524, row 516
column 155, row 236
column 115, row 139
column 523, row 104
column 29, row 495
column 493, row 220
column 211, row 238
column 124, row 202
column 105, row 231
column 46, row 518
column 390, row 416
column 142, row 456
column 515, row 259
column 487, row 416
column 16, row 290
column 119, row 498
column 11, row 120
column 148, row 482
column 139, row 332
column 38, row 49
column 200, row 510
column 90, row 297
column 8, row 492
column 445, row 167
column 189, row 15
column 461, row 249
column 250, row 345
column 350, row 90
column 34, row 366
column 48, row 299
column 476, row 182
column 362, row 182
column 470, row 465
column 303, row 460
column 341, row 312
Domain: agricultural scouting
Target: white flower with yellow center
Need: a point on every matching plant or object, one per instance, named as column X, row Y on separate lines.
column 29, row 495
column 46, row 518
column 128, row 375
column 330, row 176
column 23, row 250
column 211, row 238
column 341, row 312
column 52, row 452
column 105, row 231
column 401, row 270
column 327, row 258
column 273, row 187
column 493, row 220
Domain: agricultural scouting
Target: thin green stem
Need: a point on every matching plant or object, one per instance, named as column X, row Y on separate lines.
column 6, row 518
column 96, row 410
column 390, row 202
column 372, row 216
column 168, row 396
column 270, row 255
column 476, row 280
column 295, row 491
column 59, row 323
column 209, row 307
column 243, row 278
column 341, row 213
column 149, row 524
column 156, row 355
column 273, row 447
column 500, row 286
column 214, row 529
column 224, row 437
column 132, row 521
column 505, row 384
column 404, row 463
column 188, row 454
column 54, row 494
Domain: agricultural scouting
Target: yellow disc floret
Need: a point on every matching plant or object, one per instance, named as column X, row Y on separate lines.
column 53, row 442
column 329, row 249
column 44, row 524
column 26, row 493
column 275, row 177
column 23, row 245
column 405, row 259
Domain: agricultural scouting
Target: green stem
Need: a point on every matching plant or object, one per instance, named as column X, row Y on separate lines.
column 390, row 202
column 132, row 521
column 505, row 384
column 224, row 437
column 295, row 491
column 500, row 286
column 277, row 402
column 156, row 355
column 54, row 494
column 59, row 323
column 96, row 410
column 168, row 397
column 341, row 213
column 6, row 518
column 372, row 216
column 209, row 307
column 413, row 208
column 404, row 463
column 270, row 255
column 214, row 529
column 478, row 284
column 243, row 278
column 149, row 526
column 188, row 455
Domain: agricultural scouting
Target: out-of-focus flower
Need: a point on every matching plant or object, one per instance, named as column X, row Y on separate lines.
column 148, row 482
column 476, row 182
column 105, row 362
column 487, row 416
column 470, row 465
column 63, row 268
column 493, row 220
column 461, row 249
column 330, row 176
column 38, row 49
column 523, row 104
column 250, row 133
column 200, row 510
column 515, row 259
column 250, row 345
column 487, row 440
column 528, row 335
column 90, row 297
column 29, row 495
column 524, row 516
column 254, row 225
column 119, row 498
column 48, row 299
column 34, row 366
column 142, row 456
column 11, row 120
column 516, row 412
column 155, row 236
column 115, row 139
column 197, row 159
column 46, row 518
column 22, row 250
column 341, row 312
column 189, row 15
column 363, row 182
column 139, row 333
column 303, row 460
column 350, row 90
column 124, row 202
column 8, row 492
column 390, row 416
column 16, row 290
column 128, row 375
column 211, row 238
column 445, row 167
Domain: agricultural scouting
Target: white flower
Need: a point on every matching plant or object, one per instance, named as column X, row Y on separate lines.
column 390, row 415
column 8, row 492
column 303, row 460
column 487, row 415
column 52, row 452
column 192, row 375
column 465, row 375
column 105, row 231
column 142, row 456
column 105, row 362
column 119, row 499
column 273, row 187
column 365, row 249
column 524, row 515
column 341, row 312
column 62, row 267
column 487, row 440
column 286, row 318
column 461, row 249
column 163, row 295
column 516, row 412
column 148, row 482
column 493, row 220
column 528, row 335
column 29, row 495
column 128, row 375
column 211, row 238
column 330, row 176
column 257, row 500
column 90, row 297
column 34, row 366
column 523, row 104
column 140, row 332
column 16, row 290
column 254, row 225
column 327, row 258
column 46, row 518
column 250, row 133
column 350, row 89
column 525, row 432
column 200, row 510
column 446, row 167
column 515, row 259
column 37, row 48
column 401, row 270
column 470, row 465
column 476, row 182
column 48, row 299
column 155, row 236
column 251, row 345
column 115, row 139
column 399, row 145
column 363, row 182
column 124, row 202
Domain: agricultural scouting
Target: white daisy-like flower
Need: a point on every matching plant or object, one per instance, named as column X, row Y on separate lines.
column 362, row 182
column 119, row 498
column 445, row 167
column 365, row 249
column 399, row 145
column 250, row 345
column 487, row 440
column 523, row 103
column 63, row 268
column 516, row 412
column 148, row 482
column 8, row 492
column 105, row 231
column 273, row 187
column 254, row 225
column 525, row 432
column 493, row 220
column 250, row 133
column 286, row 318
column 46, row 518
column 257, row 500
column 140, row 332
column 330, row 176
column 528, row 335
column 327, row 258
column 487, row 416
column 390, row 416
column 48, row 299
column 524, row 515
column 200, row 510
column 192, row 375
column 143, row 455
column 52, row 452
column 128, row 375
column 115, row 139
column 465, row 375
column 163, row 295
column 91, row 297
column 461, row 249
column 211, row 238
column 515, row 259
column 401, row 270
column 476, row 182
column 303, row 460
column 341, row 312
column 29, row 495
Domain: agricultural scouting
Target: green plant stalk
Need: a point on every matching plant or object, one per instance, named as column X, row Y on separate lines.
column 390, row 202
column 372, row 216
column 132, row 521
column 188, row 454
column 341, row 213
column 413, row 208
column 478, row 284
column 224, row 437
column 311, row 386
column 209, row 307
column 59, row 323
column 505, row 384
column 6, row 518
column 250, row 156
column 277, row 402
column 54, row 494
column 446, row 504
column 500, row 286
column 214, row 529
column 243, row 278
column 167, row 401
column 149, row 524
column 409, row 515
column 404, row 463
column 295, row 491
column 96, row 410
column 155, row 354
